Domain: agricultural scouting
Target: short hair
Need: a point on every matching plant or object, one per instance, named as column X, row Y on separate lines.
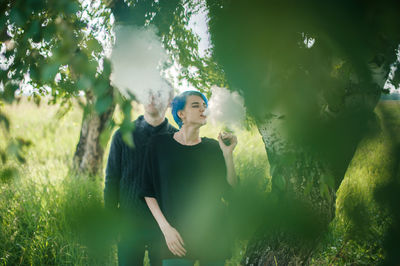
column 179, row 102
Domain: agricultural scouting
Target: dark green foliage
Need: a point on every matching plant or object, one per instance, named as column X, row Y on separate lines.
column 252, row 208
column 54, row 44
column 44, row 36
column 7, row 174
column 4, row 122
column 262, row 47
column 171, row 18
column 50, row 48
column 311, row 73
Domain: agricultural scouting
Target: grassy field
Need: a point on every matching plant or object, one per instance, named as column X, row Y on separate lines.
column 38, row 208
column 357, row 232
column 42, row 209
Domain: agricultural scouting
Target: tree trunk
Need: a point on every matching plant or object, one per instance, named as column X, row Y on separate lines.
column 309, row 172
column 88, row 157
column 298, row 175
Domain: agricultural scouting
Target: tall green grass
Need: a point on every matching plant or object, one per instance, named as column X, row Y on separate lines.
column 40, row 209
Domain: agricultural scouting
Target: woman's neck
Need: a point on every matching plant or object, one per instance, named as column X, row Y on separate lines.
column 188, row 135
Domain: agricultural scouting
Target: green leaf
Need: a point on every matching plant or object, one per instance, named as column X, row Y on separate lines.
column 7, row 174
column 17, row 17
column 35, row 5
column 49, row 32
column 84, row 83
column 127, row 138
column 279, row 182
column 324, row 190
column 49, row 72
column 3, row 29
column 34, row 31
column 328, row 179
column 13, row 148
column 34, row 73
column 3, row 76
column 105, row 136
column 4, row 121
column 79, row 24
column 37, row 99
column 72, row 8
column 81, row 64
column 106, row 67
column 102, row 104
column 101, row 88
column 126, row 130
column 23, row 142
column 20, row 158
column 94, row 45
column 3, row 156
column 9, row 92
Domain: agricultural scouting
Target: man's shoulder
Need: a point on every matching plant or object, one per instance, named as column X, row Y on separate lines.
column 117, row 135
column 118, row 131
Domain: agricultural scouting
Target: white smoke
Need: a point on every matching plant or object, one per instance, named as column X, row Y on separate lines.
column 226, row 108
column 137, row 58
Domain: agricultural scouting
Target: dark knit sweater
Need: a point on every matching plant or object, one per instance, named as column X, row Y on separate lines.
column 124, row 165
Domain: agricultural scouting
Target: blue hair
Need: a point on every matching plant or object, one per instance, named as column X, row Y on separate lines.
column 179, row 102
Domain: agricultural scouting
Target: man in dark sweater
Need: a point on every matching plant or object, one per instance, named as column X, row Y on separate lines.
column 123, row 182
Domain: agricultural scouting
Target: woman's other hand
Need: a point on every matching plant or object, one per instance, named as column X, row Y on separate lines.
column 227, row 142
column 174, row 241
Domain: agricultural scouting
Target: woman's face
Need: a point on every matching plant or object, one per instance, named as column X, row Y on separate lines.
column 193, row 113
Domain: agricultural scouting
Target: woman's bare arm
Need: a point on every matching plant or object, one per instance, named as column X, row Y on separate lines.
column 227, row 151
column 172, row 237
column 230, row 170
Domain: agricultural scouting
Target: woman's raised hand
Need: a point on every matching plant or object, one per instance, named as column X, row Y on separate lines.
column 227, row 142
column 174, row 241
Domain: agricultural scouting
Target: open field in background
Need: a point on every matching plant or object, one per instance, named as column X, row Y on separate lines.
column 42, row 209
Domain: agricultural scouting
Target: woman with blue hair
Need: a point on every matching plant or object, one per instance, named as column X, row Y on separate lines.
column 184, row 183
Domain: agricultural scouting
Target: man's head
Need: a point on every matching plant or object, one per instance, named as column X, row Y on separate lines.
column 159, row 100
column 179, row 104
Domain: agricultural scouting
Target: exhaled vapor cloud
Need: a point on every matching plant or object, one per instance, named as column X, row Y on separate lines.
column 137, row 58
column 225, row 107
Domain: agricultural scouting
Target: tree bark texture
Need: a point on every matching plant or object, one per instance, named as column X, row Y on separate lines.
column 298, row 174
column 89, row 153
